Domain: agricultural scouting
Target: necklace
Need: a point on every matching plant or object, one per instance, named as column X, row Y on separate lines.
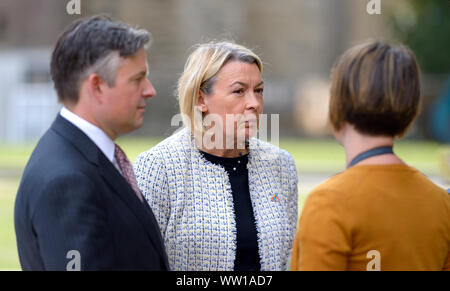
column 371, row 153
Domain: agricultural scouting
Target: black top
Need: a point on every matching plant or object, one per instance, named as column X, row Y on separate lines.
column 247, row 257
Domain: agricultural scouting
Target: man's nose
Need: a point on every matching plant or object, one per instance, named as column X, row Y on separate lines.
column 149, row 91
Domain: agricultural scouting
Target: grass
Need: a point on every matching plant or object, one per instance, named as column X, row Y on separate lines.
column 324, row 155
column 328, row 156
column 14, row 157
column 9, row 259
column 311, row 156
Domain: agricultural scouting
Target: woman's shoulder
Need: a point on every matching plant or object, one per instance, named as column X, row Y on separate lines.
column 342, row 185
column 178, row 140
column 172, row 145
column 267, row 151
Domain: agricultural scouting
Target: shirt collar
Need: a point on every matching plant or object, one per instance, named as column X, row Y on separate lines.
column 98, row 136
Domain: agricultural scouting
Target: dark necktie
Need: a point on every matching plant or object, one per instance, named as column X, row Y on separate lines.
column 127, row 170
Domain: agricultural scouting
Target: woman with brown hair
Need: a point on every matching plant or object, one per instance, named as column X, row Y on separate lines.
column 380, row 213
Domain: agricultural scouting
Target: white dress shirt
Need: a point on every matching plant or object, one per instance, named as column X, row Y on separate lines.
column 98, row 136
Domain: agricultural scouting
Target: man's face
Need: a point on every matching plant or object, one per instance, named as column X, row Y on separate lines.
column 123, row 105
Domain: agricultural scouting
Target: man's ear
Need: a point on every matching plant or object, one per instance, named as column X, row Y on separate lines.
column 96, row 87
column 201, row 102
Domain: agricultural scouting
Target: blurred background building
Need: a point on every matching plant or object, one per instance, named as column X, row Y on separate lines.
column 298, row 41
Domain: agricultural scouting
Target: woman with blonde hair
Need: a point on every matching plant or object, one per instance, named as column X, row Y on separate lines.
column 224, row 199
column 380, row 213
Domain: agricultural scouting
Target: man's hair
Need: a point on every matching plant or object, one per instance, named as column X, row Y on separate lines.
column 375, row 87
column 92, row 45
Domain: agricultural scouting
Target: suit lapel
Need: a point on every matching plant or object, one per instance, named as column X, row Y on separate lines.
column 112, row 176
column 141, row 210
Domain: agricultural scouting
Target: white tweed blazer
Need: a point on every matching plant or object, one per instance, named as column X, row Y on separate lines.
column 193, row 204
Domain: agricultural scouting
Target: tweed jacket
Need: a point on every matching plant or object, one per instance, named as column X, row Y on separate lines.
column 193, row 204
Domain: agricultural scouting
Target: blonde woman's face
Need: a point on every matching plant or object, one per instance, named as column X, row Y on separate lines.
column 236, row 98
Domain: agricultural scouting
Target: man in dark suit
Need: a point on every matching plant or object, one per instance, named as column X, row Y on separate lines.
column 78, row 206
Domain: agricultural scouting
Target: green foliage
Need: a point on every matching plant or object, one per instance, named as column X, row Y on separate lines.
column 424, row 25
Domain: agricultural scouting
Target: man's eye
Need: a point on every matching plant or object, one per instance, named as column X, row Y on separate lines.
column 238, row 91
column 259, row 90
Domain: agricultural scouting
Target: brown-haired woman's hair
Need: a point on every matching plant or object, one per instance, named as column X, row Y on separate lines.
column 376, row 88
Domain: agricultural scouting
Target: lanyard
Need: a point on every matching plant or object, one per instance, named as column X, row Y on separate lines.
column 370, row 153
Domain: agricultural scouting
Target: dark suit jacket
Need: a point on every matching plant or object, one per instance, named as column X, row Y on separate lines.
column 71, row 197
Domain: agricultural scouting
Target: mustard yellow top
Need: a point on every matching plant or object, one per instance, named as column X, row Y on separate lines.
column 382, row 217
